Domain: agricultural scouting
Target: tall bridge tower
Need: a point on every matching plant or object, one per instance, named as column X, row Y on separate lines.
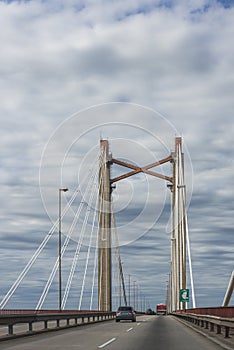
column 104, row 232
column 179, row 230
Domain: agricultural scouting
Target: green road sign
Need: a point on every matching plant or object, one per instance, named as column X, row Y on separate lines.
column 184, row 295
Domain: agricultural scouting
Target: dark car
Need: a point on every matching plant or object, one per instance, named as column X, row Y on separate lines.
column 149, row 312
column 125, row 313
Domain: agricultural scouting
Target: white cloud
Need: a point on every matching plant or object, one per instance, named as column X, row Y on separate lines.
column 174, row 56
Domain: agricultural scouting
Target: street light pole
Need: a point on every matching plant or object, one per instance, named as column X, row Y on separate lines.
column 59, row 249
column 134, row 295
column 137, row 297
column 129, row 289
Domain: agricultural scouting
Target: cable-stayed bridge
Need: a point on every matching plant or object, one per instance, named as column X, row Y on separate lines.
column 88, row 265
column 87, row 273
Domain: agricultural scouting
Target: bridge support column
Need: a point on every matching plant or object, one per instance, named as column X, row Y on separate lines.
column 179, row 227
column 104, row 233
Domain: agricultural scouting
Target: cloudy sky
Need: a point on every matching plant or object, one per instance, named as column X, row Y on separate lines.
column 137, row 72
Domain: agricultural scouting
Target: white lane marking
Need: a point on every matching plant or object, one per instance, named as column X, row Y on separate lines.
column 138, row 324
column 129, row 329
column 107, row 343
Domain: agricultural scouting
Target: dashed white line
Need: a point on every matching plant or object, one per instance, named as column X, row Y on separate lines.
column 107, row 343
column 129, row 329
column 138, row 324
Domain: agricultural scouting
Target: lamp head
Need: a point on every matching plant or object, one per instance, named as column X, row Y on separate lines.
column 63, row 189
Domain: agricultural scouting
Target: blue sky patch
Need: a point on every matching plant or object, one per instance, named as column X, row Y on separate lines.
column 201, row 10
column 226, row 3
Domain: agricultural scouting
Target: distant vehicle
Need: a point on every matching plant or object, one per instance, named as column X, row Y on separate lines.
column 150, row 312
column 161, row 309
column 125, row 313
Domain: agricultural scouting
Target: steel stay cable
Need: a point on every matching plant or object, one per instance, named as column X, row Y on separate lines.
column 26, row 269
column 187, row 238
column 88, row 253
column 76, row 255
column 65, row 245
column 56, row 265
column 118, row 256
column 34, row 256
column 115, row 275
column 117, row 272
column 94, row 273
column 96, row 248
column 72, row 270
column 31, row 261
column 75, row 259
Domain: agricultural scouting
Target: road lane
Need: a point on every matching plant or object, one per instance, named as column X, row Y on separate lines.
column 86, row 337
column 150, row 332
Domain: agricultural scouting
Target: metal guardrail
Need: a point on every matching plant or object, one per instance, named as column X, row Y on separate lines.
column 10, row 320
column 209, row 322
column 227, row 312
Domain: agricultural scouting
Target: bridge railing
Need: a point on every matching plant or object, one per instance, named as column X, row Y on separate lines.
column 47, row 320
column 221, row 311
column 202, row 318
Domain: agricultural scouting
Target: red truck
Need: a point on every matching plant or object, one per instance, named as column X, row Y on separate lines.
column 161, row 309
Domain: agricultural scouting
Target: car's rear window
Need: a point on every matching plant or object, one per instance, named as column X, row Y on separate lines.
column 124, row 308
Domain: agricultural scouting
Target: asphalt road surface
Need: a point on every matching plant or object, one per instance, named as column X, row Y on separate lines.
column 148, row 333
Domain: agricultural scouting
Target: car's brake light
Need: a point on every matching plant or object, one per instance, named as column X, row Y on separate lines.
column 117, row 313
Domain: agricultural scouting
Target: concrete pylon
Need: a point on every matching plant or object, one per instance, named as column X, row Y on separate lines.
column 104, row 231
column 178, row 237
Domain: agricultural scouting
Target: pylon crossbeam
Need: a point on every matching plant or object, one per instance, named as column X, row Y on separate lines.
column 137, row 169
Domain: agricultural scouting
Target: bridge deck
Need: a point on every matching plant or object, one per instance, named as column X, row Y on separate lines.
column 149, row 332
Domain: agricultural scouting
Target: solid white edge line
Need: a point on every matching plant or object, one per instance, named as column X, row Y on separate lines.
column 105, row 344
column 129, row 329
